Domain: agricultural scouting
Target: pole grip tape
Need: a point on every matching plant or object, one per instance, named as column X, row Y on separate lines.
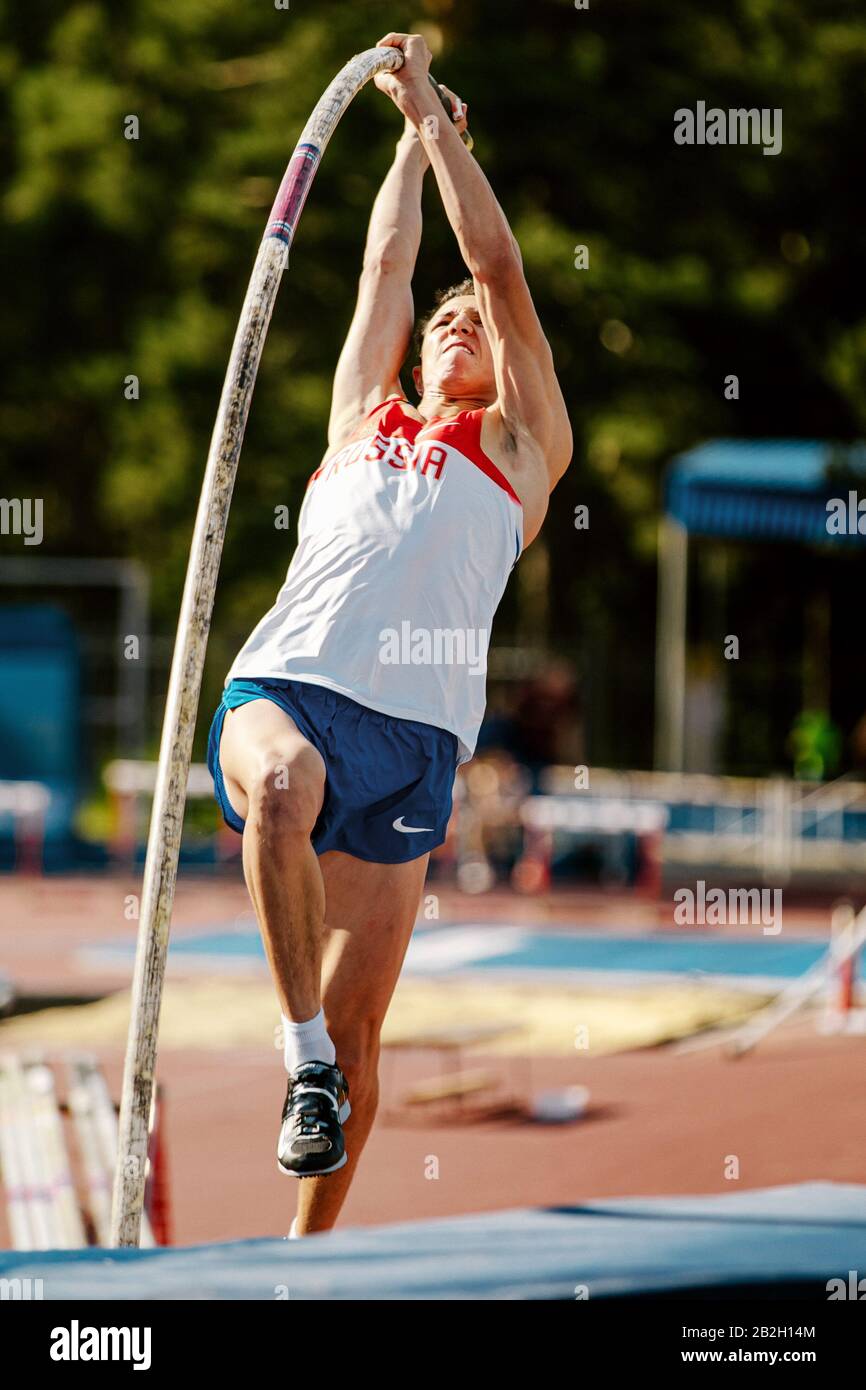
column 292, row 193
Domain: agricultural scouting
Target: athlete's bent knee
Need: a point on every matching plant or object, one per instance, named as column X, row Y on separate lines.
column 286, row 792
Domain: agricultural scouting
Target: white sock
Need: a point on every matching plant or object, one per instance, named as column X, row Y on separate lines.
column 307, row 1042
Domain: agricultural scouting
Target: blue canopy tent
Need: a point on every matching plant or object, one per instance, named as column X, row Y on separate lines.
column 43, row 714
column 746, row 490
column 39, row 714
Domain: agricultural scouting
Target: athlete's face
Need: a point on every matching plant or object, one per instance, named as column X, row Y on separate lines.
column 455, row 356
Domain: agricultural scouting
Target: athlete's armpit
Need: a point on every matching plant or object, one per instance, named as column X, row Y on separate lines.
column 529, row 398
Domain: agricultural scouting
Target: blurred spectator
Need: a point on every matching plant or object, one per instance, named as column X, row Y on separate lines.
column 816, row 744
column 543, row 726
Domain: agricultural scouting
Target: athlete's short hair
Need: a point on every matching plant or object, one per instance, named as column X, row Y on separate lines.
column 441, row 297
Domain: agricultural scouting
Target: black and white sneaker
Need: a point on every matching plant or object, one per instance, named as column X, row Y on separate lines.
column 317, row 1105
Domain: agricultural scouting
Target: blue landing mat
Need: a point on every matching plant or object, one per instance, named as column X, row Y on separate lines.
column 777, row 1239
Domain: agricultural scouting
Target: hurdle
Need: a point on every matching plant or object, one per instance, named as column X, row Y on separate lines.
column 596, row 815
column 848, row 936
column 130, row 779
column 166, row 821
column 27, row 803
column 842, row 1013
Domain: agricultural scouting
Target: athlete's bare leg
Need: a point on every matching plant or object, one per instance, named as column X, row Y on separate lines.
column 371, row 909
column 275, row 780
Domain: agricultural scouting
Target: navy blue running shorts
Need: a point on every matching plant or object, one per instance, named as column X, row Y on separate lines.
column 389, row 781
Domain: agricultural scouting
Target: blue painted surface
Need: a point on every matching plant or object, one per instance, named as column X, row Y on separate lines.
column 541, row 951
column 671, row 955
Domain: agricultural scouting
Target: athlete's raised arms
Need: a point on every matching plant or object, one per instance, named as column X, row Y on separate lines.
column 369, row 367
column 529, row 416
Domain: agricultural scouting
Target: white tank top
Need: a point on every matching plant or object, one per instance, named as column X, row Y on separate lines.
column 406, row 538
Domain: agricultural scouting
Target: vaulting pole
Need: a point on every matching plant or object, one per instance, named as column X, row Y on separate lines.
column 166, row 821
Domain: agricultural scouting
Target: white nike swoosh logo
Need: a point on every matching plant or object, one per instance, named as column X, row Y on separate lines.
column 409, row 829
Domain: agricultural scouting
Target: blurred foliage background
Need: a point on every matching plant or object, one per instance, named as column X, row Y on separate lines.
column 132, row 256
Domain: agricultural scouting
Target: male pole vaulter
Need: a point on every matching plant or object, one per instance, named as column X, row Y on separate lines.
column 334, row 759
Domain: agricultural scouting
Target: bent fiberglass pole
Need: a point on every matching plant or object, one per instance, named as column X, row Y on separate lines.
column 166, row 821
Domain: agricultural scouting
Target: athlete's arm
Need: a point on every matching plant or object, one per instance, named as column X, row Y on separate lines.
column 530, row 403
column 369, row 367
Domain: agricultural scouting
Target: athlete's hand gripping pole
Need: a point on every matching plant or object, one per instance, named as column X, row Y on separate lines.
column 166, row 822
